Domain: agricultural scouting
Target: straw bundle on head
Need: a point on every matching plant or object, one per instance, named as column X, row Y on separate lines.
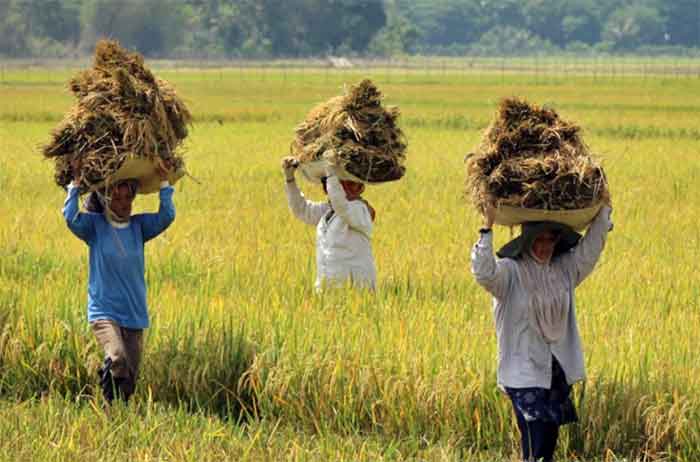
column 123, row 111
column 531, row 158
column 356, row 133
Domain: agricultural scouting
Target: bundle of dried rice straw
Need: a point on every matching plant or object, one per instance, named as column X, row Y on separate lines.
column 123, row 113
column 530, row 158
column 356, row 133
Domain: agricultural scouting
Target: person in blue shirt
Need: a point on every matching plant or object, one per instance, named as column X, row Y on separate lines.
column 117, row 310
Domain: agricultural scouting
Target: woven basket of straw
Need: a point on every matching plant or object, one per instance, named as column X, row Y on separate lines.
column 314, row 170
column 145, row 171
column 532, row 165
column 576, row 219
column 125, row 122
column 356, row 133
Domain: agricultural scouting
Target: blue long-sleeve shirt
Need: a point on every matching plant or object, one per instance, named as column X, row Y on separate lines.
column 117, row 284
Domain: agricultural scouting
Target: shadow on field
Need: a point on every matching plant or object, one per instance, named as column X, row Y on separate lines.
column 628, row 417
column 196, row 364
column 203, row 369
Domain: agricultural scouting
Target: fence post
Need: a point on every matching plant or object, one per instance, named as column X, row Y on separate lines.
column 612, row 67
column 595, row 69
column 503, row 71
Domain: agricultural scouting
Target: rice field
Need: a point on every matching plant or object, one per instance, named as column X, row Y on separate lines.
column 244, row 362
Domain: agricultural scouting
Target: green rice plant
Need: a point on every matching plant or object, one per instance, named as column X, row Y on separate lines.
column 243, row 361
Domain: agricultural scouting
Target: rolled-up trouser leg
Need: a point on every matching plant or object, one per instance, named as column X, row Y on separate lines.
column 122, row 349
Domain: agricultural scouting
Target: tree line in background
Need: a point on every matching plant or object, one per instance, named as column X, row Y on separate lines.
column 306, row 28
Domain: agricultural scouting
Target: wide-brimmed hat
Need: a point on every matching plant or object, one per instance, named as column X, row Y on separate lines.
column 568, row 238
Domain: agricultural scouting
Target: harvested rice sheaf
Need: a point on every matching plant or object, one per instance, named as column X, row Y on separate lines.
column 122, row 110
column 529, row 157
column 356, row 132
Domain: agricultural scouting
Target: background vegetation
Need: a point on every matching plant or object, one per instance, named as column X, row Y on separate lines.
column 304, row 28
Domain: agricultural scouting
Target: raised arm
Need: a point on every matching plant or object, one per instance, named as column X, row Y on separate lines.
column 581, row 261
column 80, row 224
column 493, row 275
column 152, row 224
column 307, row 211
column 355, row 213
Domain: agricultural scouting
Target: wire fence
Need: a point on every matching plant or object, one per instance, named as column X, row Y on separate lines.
column 541, row 69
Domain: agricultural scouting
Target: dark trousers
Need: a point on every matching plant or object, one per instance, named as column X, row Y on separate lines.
column 538, row 439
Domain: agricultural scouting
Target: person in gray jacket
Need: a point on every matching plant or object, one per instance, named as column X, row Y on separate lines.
column 539, row 348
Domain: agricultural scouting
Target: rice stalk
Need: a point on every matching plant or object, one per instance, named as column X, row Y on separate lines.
column 122, row 110
column 356, row 133
column 529, row 157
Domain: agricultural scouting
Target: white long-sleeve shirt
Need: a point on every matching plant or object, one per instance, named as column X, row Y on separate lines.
column 524, row 357
column 343, row 236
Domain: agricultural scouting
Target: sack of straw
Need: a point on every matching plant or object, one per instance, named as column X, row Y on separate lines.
column 125, row 123
column 533, row 166
column 355, row 133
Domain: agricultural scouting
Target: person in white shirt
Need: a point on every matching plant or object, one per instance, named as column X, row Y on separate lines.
column 343, row 229
column 539, row 347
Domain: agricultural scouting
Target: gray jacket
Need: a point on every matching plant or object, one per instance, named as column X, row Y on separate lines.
column 524, row 358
